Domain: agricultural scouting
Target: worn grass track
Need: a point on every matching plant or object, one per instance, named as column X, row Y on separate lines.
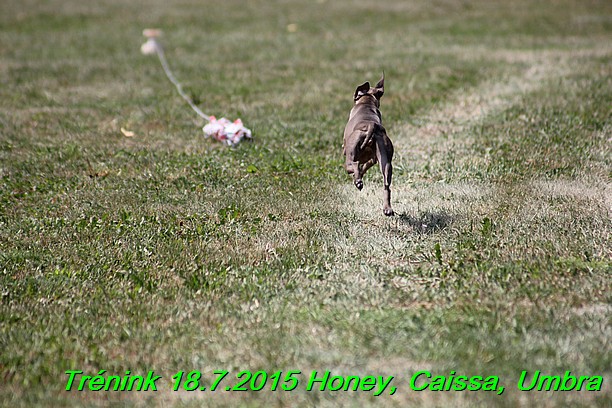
column 167, row 252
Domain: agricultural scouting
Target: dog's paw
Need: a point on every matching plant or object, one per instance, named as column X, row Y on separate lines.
column 388, row 211
column 359, row 184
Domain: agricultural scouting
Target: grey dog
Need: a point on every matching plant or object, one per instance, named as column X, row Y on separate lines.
column 365, row 139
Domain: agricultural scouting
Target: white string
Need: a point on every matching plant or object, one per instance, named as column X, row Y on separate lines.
column 221, row 129
column 164, row 63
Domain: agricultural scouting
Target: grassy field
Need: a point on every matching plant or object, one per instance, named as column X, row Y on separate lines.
column 167, row 251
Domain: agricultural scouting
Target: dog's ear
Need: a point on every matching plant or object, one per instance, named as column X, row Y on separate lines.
column 381, row 83
column 379, row 90
column 361, row 90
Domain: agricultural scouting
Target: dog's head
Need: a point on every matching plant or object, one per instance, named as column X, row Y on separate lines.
column 365, row 92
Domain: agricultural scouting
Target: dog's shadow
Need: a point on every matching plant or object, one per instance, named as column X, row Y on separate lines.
column 427, row 222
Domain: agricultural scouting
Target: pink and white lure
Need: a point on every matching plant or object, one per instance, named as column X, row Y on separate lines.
column 224, row 130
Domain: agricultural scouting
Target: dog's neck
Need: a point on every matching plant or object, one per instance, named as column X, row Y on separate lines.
column 368, row 99
column 364, row 104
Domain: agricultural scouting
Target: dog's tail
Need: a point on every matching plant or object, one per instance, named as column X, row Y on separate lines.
column 371, row 131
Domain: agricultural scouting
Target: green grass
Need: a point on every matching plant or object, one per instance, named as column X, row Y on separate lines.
column 167, row 251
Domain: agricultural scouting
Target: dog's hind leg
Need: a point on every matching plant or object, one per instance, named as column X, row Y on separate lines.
column 384, row 153
column 368, row 164
column 359, row 153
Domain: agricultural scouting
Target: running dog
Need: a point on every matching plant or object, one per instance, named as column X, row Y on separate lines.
column 365, row 139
